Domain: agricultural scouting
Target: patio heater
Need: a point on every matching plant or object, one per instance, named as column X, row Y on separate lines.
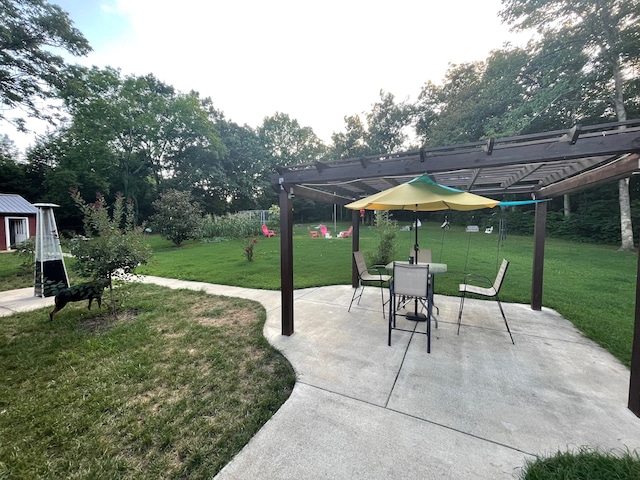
column 50, row 272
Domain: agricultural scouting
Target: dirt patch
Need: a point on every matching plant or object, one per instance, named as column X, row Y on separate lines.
column 106, row 322
column 216, row 313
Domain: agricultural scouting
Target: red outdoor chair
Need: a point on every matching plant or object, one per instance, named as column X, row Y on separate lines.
column 346, row 233
column 266, row 232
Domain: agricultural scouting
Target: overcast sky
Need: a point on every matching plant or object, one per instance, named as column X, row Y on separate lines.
column 315, row 61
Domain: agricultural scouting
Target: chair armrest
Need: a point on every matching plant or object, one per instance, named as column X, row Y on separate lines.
column 381, row 269
column 479, row 278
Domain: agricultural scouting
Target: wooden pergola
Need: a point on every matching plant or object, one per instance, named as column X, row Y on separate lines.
column 541, row 166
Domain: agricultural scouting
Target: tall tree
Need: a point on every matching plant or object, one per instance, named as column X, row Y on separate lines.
column 474, row 102
column 247, row 165
column 605, row 35
column 12, row 177
column 142, row 135
column 384, row 130
column 288, row 142
column 388, row 123
column 352, row 142
column 30, row 71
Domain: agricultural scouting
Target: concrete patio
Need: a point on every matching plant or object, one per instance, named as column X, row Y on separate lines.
column 475, row 407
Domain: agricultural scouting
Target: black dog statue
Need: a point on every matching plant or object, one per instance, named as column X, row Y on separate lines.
column 83, row 291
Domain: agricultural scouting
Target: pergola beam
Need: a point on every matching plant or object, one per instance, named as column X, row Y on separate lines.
column 621, row 168
column 611, row 143
column 319, row 195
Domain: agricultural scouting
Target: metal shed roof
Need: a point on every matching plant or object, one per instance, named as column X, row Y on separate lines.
column 12, row 204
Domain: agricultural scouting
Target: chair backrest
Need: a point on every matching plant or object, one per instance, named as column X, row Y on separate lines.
column 265, row 230
column 411, row 280
column 501, row 274
column 361, row 264
column 424, row 256
column 323, row 230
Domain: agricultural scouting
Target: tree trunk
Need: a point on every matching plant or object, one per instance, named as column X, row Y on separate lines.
column 626, row 229
column 567, row 206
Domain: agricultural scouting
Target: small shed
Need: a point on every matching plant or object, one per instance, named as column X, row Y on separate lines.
column 17, row 220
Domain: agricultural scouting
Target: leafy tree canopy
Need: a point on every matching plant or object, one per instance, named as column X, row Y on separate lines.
column 30, row 69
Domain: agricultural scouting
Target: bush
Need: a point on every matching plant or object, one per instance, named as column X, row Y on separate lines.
column 387, row 230
column 26, row 251
column 274, row 218
column 230, row 226
column 178, row 217
column 113, row 246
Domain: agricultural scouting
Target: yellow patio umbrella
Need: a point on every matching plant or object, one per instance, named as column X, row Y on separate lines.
column 422, row 194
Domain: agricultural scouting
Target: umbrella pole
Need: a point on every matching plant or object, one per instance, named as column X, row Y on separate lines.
column 416, row 316
column 416, row 247
column 445, row 226
column 468, row 246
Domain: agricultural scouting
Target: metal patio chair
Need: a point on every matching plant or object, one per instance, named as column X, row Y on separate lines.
column 410, row 282
column 488, row 290
column 373, row 274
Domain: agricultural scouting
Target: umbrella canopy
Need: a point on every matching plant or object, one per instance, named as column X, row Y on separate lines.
column 425, row 195
column 422, row 194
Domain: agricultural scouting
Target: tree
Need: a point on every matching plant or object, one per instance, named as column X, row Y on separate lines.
column 474, row 101
column 177, row 217
column 247, row 166
column 387, row 124
column 603, row 34
column 353, row 142
column 288, row 142
column 140, row 135
column 30, row 70
column 383, row 131
column 112, row 245
column 11, row 173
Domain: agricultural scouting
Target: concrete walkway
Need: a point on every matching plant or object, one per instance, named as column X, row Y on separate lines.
column 476, row 407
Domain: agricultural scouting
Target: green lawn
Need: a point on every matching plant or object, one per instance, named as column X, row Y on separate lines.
column 593, row 286
column 172, row 388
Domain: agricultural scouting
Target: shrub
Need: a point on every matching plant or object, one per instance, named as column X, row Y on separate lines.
column 231, row 226
column 178, row 217
column 26, row 251
column 249, row 247
column 387, row 230
column 274, row 218
column 112, row 246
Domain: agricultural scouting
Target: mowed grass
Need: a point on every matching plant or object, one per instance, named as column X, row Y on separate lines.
column 587, row 464
column 591, row 285
column 173, row 388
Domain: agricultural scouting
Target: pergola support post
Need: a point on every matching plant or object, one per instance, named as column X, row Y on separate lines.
column 634, row 381
column 286, row 261
column 355, row 245
column 538, row 255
